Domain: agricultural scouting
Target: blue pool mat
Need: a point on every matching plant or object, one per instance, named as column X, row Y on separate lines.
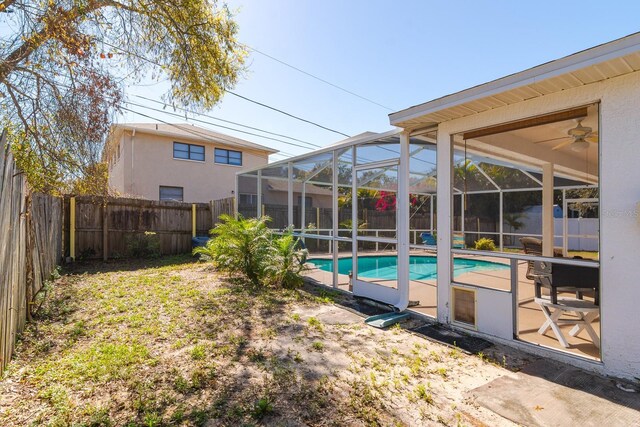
column 387, row 319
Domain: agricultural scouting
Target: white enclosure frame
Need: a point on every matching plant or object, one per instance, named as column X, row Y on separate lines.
column 399, row 296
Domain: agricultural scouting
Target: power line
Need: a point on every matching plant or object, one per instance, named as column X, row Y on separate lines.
column 319, row 79
column 238, row 95
column 288, row 114
column 206, row 122
column 225, row 121
column 214, row 124
column 194, row 131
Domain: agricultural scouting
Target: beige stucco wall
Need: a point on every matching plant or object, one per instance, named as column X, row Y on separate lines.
column 146, row 162
column 619, row 196
column 116, row 167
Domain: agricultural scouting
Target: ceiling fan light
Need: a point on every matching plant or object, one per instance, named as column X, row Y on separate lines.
column 580, row 144
column 580, row 131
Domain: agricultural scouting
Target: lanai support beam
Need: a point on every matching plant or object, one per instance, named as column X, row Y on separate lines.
column 547, row 210
column 444, row 225
column 403, row 213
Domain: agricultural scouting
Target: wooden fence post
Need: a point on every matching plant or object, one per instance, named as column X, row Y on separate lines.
column 72, row 228
column 193, row 220
column 105, row 232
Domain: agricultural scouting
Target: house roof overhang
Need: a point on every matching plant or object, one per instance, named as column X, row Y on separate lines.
column 616, row 58
column 189, row 133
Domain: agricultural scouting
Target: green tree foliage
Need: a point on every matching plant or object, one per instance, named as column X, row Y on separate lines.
column 93, row 182
column 585, row 210
column 63, row 66
column 514, row 223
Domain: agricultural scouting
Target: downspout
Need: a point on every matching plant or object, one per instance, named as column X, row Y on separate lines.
column 133, row 140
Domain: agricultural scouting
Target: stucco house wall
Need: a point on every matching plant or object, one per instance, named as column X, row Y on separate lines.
column 146, row 162
column 619, row 146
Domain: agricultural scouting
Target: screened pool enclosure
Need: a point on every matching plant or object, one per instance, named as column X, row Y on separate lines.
column 366, row 209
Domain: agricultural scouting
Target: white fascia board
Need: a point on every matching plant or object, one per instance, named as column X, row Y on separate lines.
column 583, row 59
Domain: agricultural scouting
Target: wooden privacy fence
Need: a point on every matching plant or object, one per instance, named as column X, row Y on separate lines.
column 105, row 227
column 221, row 207
column 44, row 240
column 30, row 249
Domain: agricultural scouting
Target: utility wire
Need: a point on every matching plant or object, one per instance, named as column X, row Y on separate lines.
column 250, row 133
column 225, row 121
column 206, row 122
column 237, row 95
column 288, row 114
column 319, row 79
column 194, row 131
column 214, row 124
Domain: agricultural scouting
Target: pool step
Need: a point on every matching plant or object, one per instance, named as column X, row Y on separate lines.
column 381, row 321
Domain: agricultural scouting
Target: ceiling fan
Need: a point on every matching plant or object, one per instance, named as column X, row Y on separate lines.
column 578, row 138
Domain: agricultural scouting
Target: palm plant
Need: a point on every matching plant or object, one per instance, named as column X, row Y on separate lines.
column 247, row 247
column 239, row 246
column 285, row 262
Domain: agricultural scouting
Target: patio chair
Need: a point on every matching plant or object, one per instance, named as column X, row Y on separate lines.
column 533, row 246
column 458, row 241
column 428, row 239
column 566, row 278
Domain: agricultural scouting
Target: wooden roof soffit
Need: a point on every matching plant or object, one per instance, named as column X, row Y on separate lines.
column 575, row 113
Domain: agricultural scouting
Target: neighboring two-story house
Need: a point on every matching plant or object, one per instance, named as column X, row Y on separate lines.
column 178, row 162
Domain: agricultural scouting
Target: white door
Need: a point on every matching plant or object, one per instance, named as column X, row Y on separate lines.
column 374, row 231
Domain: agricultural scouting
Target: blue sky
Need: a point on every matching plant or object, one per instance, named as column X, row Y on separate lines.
column 397, row 54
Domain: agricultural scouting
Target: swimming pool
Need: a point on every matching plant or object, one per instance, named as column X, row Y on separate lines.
column 420, row 267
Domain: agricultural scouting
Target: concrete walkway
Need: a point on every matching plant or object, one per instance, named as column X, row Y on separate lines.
column 546, row 393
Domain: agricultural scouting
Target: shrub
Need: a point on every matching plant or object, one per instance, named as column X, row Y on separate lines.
column 145, row 245
column 485, row 244
column 239, row 246
column 285, row 262
column 247, row 247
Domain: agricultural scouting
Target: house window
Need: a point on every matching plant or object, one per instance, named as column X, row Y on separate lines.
column 248, row 199
column 228, row 157
column 174, row 194
column 188, row 151
column 307, row 201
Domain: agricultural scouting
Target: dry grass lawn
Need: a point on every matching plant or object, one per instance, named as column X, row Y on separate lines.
column 173, row 342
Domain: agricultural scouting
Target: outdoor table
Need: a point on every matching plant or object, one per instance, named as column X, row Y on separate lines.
column 585, row 311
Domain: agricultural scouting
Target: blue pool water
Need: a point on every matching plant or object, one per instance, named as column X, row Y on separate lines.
column 420, row 267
